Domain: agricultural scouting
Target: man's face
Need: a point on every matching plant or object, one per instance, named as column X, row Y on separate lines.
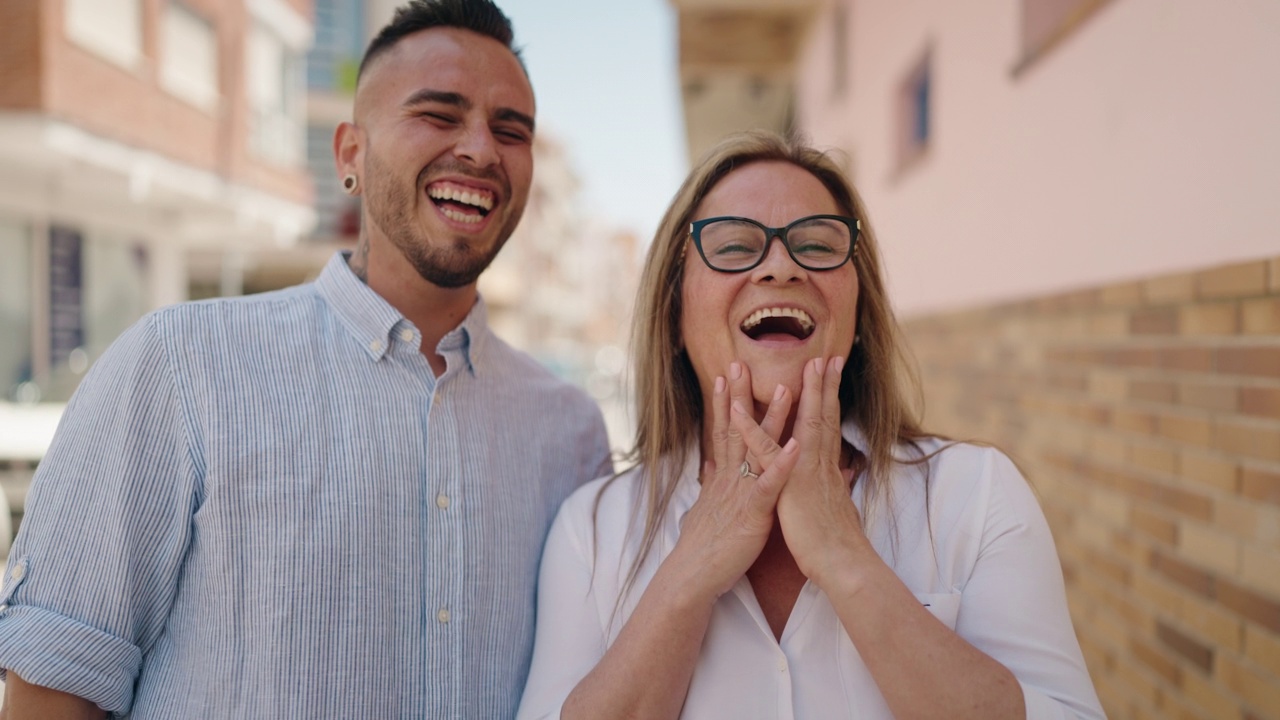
column 447, row 117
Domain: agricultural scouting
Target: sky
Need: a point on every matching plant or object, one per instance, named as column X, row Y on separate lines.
column 605, row 78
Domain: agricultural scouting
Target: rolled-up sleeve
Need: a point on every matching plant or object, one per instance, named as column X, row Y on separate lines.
column 94, row 569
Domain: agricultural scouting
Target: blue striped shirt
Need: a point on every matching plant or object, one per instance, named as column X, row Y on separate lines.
column 269, row 507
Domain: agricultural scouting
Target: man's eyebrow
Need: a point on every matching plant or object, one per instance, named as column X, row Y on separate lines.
column 509, row 115
column 438, row 96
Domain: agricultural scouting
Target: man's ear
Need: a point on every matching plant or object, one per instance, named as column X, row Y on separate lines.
column 348, row 150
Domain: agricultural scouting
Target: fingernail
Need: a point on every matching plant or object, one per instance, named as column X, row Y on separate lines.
column 790, row 447
column 719, row 384
column 838, row 365
column 777, row 393
column 737, row 407
column 818, row 365
column 735, row 370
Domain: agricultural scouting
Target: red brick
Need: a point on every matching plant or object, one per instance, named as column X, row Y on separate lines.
column 1260, row 485
column 1261, row 316
column 1209, row 319
column 1192, row 578
column 1252, row 439
column 1252, row 605
column 1198, row 653
column 1170, row 289
column 1153, row 391
column 1264, row 402
column 1154, row 321
column 1259, row 361
column 1209, row 396
column 1187, row 359
column 1189, row 430
column 1155, row 660
column 1154, row 525
column 1240, row 280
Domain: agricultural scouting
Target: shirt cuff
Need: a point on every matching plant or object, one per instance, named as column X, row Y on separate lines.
column 57, row 652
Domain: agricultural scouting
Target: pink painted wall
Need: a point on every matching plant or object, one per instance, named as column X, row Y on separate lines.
column 1147, row 142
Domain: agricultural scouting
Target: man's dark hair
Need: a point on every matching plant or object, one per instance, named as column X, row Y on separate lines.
column 478, row 16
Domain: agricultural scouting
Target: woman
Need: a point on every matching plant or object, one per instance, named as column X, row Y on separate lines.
column 792, row 543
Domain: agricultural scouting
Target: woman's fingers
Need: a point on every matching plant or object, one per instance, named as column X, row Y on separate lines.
column 739, row 394
column 762, row 447
column 810, row 424
column 831, row 399
column 775, row 418
column 720, row 423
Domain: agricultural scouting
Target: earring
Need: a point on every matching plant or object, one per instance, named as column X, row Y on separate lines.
column 857, row 338
column 350, row 183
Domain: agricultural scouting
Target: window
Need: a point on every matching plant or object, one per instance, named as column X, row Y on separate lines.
column 110, row 28
column 335, row 58
column 190, row 52
column 275, row 88
column 16, row 361
column 915, row 112
column 1045, row 23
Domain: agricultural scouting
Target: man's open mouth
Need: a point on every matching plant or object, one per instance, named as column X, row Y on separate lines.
column 778, row 324
column 460, row 203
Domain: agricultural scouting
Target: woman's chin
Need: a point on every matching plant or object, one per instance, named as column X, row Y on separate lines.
column 765, row 382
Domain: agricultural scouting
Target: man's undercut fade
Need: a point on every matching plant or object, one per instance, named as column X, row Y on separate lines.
column 479, row 16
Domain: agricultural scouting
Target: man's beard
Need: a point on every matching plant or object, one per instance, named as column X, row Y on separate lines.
column 391, row 208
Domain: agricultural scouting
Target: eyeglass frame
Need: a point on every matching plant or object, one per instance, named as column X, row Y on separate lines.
column 854, row 225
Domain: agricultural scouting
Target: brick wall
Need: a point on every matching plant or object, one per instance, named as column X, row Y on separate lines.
column 1147, row 417
column 41, row 69
column 20, row 62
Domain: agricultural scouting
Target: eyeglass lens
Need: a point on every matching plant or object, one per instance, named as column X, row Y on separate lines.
column 733, row 244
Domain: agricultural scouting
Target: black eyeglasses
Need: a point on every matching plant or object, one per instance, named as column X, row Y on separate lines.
column 737, row 244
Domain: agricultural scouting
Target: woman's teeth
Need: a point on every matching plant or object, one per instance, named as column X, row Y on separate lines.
column 759, row 316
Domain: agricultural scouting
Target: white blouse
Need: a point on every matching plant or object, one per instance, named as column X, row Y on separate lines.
column 982, row 560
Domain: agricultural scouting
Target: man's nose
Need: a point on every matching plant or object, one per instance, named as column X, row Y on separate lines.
column 477, row 146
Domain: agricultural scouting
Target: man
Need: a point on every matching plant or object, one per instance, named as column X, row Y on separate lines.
column 327, row 501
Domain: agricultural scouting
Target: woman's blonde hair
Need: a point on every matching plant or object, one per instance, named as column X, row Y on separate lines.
column 669, row 413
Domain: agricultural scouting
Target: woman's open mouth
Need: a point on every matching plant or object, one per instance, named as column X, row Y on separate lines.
column 778, row 324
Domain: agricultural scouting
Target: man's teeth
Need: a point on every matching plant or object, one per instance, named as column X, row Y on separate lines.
column 758, row 316
column 467, row 197
column 460, row 217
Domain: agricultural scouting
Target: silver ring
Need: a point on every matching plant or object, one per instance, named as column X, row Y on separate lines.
column 745, row 470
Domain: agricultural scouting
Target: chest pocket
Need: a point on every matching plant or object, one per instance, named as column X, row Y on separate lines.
column 944, row 606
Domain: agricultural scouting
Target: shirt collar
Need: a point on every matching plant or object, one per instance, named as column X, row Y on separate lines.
column 370, row 319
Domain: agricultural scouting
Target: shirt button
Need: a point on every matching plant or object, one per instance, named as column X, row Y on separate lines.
column 443, row 615
column 406, row 335
column 375, row 345
column 442, row 501
column 4, row 607
column 438, row 399
column 18, row 572
column 782, row 664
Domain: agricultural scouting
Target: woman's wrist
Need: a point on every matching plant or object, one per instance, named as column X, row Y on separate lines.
column 846, row 568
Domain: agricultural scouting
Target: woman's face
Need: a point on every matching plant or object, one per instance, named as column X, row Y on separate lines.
column 718, row 320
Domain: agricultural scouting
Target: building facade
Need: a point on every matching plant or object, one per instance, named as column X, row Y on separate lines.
column 1073, row 198
column 136, row 136
column 133, row 132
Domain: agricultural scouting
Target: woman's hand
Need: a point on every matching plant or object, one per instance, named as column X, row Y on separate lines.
column 819, row 520
column 725, row 530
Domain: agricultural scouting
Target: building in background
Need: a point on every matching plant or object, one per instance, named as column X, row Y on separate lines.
column 563, row 286
column 135, row 136
column 1074, row 199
